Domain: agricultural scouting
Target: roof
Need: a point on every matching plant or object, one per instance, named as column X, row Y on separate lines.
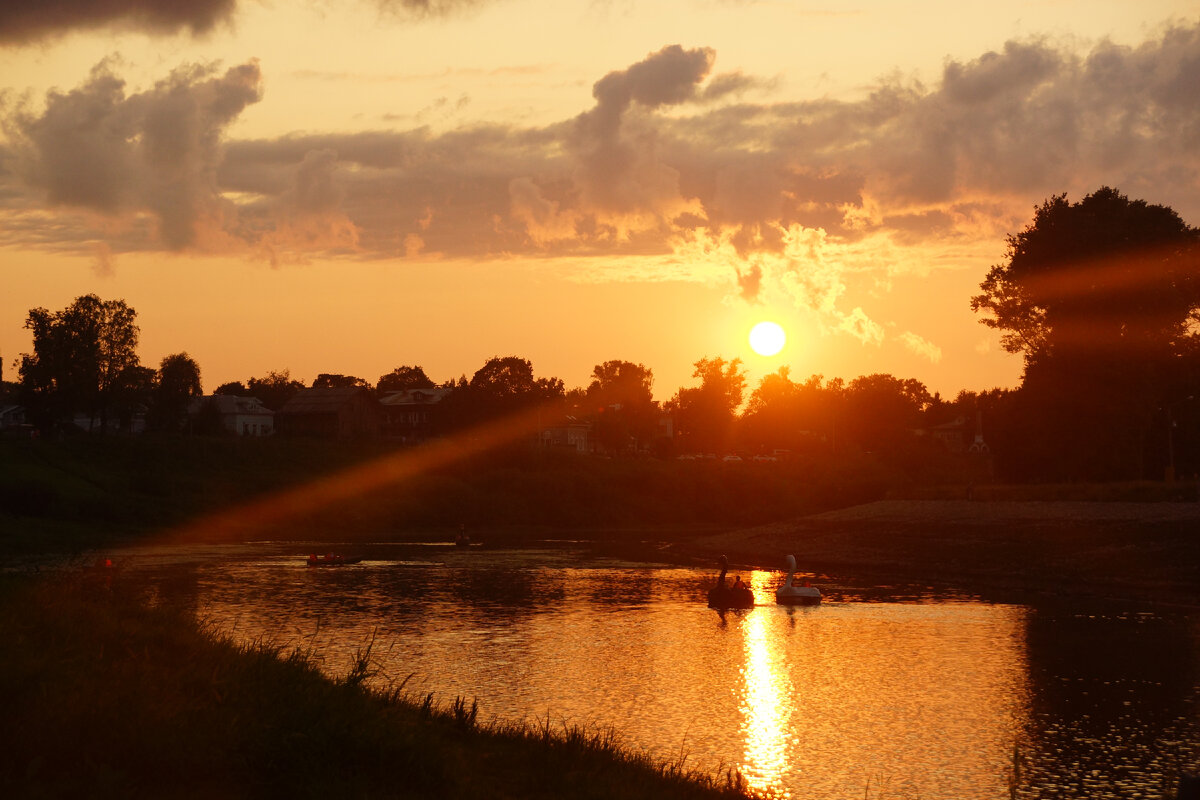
column 230, row 404
column 321, row 401
column 409, row 397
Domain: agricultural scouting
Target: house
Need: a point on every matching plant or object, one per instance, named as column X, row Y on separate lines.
column 570, row 433
column 242, row 416
column 342, row 413
column 410, row 415
column 13, row 422
column 953, row 434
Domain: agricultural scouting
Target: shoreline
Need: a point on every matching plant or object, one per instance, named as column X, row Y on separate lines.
column 1139, row 552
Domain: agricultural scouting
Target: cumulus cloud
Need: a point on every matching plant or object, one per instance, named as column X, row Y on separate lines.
column 670, row 159
column 24, row 22
column 98, row 149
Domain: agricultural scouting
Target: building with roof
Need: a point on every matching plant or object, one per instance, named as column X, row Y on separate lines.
column 342, row 413
column 410, row 415
column 241, row 416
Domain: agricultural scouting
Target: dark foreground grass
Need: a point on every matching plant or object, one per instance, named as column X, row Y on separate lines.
column 104, row 696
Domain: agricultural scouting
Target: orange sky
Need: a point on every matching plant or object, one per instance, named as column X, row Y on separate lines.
column 352, row 185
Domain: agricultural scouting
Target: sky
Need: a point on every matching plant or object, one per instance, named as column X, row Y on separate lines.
column 349, row 186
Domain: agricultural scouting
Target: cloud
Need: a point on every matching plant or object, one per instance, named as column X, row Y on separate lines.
column 861, row 327
column 669, row 160
column 25, row 22
column 921, row 347
column 427, row 8
column 98, row 149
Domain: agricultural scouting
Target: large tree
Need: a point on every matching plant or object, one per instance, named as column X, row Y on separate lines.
column 503, row 385
column 82, row 359
column 1106, row 273
column 1101, row 298
column 622, row 404
column 704, row 415
column 403, row 378
column 178, row 381
column 333, row 380
column 275, row 389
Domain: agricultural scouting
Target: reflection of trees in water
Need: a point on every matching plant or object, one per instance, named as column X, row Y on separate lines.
column 514, row 588
column 619, row 588
column 1110, row 687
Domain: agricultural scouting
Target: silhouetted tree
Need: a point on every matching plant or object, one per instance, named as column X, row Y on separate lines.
column 704, row 415
column 178, row 381
column 235, row 388
column 80, row 359
column 500, row 387
column 326, row 380
column 404, row 378
column 275, row 389
column 1099, row 297
column 881, row 412
column 620, row 397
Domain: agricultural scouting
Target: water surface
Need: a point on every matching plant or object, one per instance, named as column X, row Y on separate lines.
column 893, row 691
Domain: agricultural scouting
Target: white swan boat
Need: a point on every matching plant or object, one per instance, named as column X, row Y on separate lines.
column 790, row 595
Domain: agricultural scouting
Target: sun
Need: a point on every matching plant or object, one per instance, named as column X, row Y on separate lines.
column 767, row 338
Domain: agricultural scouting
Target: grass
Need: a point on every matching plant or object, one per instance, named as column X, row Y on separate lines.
column 105, row 696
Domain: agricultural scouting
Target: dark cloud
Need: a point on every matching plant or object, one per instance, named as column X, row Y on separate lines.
column 427, row 8
column 24, row 22
column 98, row 149
column 662, row 157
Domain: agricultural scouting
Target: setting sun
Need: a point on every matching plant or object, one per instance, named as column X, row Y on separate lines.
column 767, row 338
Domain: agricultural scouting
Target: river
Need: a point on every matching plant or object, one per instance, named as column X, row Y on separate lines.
column 881, row 691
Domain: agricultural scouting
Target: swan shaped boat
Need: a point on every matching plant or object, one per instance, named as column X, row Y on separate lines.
column 790, row 595
column 724, row 597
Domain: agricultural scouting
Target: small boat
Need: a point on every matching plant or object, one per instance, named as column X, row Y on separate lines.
column 330, row 560
column 790, row 595
column 723, row 597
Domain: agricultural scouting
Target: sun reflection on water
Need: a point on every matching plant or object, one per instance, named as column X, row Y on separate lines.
column 767, row 713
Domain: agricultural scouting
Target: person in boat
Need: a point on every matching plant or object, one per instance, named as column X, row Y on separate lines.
column 739, row 585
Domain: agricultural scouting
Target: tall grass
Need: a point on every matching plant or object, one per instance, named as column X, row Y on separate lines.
column 104, row 696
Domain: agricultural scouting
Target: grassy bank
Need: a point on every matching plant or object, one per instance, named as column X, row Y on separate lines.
column 73, row 493
column 106, row 697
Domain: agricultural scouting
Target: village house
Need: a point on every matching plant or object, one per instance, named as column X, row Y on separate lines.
column 341, row 413
column 410, row 415
column 569, row 433
column 241, row 416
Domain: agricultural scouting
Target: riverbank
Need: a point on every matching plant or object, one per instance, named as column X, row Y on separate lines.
column 1144, row 552
column 105, row 696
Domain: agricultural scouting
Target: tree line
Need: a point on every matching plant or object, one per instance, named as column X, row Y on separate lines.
column 1100, row 297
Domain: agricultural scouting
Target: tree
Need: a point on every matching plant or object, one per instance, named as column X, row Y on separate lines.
column 622, row 403
column 1104, row 273
column 235, row 388
column 1099, row 296
column 327, row 380
column 704, row 415
column 402, row 379
column 882, row 411
column 81, row 359
column 178, row 381
column 500, row 387
column 275, row 389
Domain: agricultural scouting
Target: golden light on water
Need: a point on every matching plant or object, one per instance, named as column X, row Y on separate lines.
column 767, row 713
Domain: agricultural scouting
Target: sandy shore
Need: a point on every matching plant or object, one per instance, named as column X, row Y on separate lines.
column 1133, row 551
